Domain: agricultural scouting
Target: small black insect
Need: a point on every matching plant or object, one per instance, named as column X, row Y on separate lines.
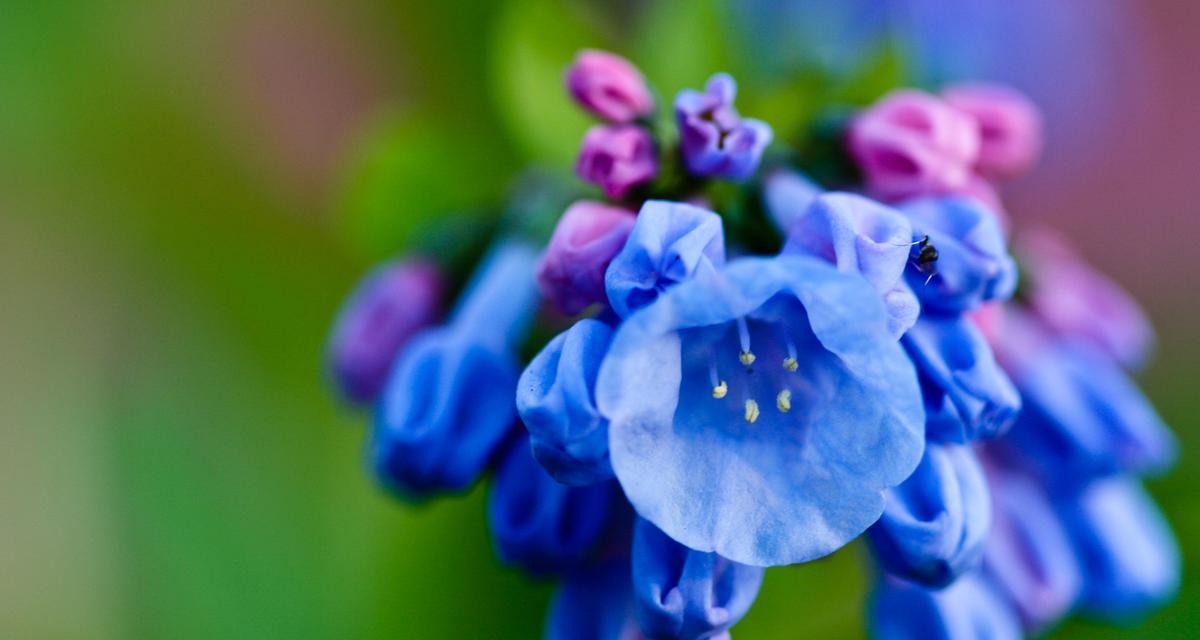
column 926, row 257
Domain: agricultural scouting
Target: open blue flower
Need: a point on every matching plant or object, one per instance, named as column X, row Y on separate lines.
column 670, row 242
column 539, row 524
column 448, row 402
column 1083, row 416
column 761, row 413
column 859, row 235
column 967, row 394
column 555, row 397
column 973, row 265
column 935, row 523
column 684, row 594
column 1129, row 556
column 968, row 609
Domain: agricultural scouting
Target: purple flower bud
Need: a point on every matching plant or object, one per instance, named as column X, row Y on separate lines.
column 911, row 144
column 716, row 141
column 589, row 234
column 388, row 307
column 617, row 158
column 1010, row 127
column 609, row 86
column 1074, row 300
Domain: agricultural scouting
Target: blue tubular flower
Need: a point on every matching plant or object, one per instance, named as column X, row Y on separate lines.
column 449, row 400
column 776, row 463
column 670, row 242
column 715, row 141
column 1083, row 416
column 935, row 523
column 539, row 524
column 594, row 603
column 1028, row 555
column 973, row 264
column 1129, row 556
column 682, row 593
column 555, row 400
column 967, row 395
column 787, row 195
column 968, row 609
column 859, row 235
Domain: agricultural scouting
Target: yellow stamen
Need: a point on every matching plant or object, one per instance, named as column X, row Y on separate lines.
column 720, row 390
column 747, row 358
column 751, row 411
column 783, row 401
column 790, row 364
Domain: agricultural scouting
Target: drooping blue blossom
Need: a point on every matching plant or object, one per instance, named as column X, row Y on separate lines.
column 1129, row 556
column 670, row 242
column 761, row 413
column 556, row 401
column 539, row 524
column 968, row 609
column 1028, row 554
column 935, row 523
column 595, row 603
column 973, row 264
column 967, row 395
column 859, row 235
column 1083, row 417
column 714, row 139
column 684, row 594
column 448, row 402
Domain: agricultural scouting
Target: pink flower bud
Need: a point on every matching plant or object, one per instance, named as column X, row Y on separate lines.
column 609, row 86
column 589, row 234
column 617, row 157
column 911, row 143
column 1010, row 127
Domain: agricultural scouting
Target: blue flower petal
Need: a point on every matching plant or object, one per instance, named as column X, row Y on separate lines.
column 594, row 603
column 787, row 195
column 1028, row 555
column 670, row 242
column 1129, row 555
column 555, row 400
column 935, row 523
column 539, row 524
column 859, row 235
column 967, row 394
column 1083, row 417
column 789, row 487
column 973, row 264
column 968, row 609
column 448, row 402
column 683, row 593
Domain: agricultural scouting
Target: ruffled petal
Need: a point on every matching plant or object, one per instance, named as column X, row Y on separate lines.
column 681, row 593
column 670, row 242
column 556, row 402
column 967, row 395
column 792, row 486
column 935, row 523
column 539, row 524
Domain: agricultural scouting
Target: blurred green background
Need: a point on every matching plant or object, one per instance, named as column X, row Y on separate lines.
column 188, row 189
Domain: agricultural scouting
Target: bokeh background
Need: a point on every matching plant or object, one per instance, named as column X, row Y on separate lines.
column 188, row 189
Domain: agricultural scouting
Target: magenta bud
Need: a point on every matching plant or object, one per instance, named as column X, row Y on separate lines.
column 1010, row 127
column 609, row 86
column 391, row 304
column 589, row 234
column 911, row 143
column 617, row 158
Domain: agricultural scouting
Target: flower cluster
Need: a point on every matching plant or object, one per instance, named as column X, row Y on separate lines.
column 707, row 409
